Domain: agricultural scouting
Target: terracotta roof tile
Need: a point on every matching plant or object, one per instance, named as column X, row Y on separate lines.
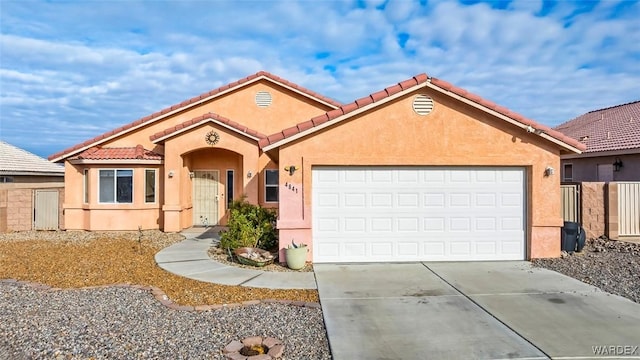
column 608, row 129
column 190, row 101
column 203, row 119
column 344, row 110
column 118, row 153
column 408, row 84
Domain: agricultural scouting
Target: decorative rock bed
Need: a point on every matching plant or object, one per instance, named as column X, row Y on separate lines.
column 254, row 348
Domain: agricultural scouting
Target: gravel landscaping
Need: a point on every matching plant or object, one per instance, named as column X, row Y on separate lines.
column 613, row 266
column 72, row 321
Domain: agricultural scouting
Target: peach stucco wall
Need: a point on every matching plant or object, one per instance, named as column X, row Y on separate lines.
column 287, row 109
column 187, row 152
column 454, row 134
column 96, row 216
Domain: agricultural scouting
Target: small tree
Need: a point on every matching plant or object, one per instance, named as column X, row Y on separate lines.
column 249, row 226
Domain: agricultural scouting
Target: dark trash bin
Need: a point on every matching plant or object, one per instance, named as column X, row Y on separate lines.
column 570, row 233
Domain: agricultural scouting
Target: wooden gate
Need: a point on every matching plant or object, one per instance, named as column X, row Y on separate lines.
column 570, row 202
column 45, row 210
column 629, row 208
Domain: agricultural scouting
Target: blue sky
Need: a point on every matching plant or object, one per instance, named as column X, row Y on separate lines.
column 71, row 70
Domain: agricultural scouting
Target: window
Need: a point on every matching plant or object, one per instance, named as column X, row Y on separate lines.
column 229, row 188
column 6, row 179
column 568, row 172
column 116, row 186
column 271, row 186
column 150, row 186
column 85, row 185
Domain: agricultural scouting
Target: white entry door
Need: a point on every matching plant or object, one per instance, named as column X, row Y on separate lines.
column 205, row 198
column 372, row 214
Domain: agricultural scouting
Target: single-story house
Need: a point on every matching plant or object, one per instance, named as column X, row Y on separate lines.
column 31, row 191
column 612, row 137
column 421, row 170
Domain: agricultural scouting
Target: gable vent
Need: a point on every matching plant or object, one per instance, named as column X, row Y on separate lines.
column 263, row 99
column 423, row 105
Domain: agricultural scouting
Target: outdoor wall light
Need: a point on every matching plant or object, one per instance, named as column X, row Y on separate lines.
column 617, row 165
column 171, row 173
column 549, row 171
column 291, row 169
column 249, row 174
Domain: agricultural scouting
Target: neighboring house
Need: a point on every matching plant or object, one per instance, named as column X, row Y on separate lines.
column 31, row 191
column 612, row 137
column 421, row 170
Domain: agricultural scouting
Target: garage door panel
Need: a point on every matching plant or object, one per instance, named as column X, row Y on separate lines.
column 417, row 214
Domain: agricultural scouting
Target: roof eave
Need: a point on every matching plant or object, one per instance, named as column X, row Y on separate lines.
column 116, row 161
column 200, row 123
column 503, row 117
column 341, row 118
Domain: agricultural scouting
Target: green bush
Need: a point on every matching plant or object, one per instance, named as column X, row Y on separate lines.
column 249, row 226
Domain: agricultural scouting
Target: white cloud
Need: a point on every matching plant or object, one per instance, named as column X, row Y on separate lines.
column 119, row 63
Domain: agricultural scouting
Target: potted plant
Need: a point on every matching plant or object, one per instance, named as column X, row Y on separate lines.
column 296, row 255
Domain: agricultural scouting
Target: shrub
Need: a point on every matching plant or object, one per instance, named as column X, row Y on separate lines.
column 249, row 226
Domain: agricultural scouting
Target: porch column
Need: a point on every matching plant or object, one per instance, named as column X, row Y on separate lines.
column 173, row 174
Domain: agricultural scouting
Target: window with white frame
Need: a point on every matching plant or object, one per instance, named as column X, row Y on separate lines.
column 115, row 186
column 271, row 185
column 150, row 185
column 85, row 186
column 567, row 172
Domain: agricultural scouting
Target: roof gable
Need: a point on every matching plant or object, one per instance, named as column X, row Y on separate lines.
column 609, row 129
column 203, row 119
column 402, row 88
column 17, row 161
column 190, row 103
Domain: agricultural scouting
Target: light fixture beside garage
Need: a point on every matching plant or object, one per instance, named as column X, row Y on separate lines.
column 549, row 171
column 423, row 105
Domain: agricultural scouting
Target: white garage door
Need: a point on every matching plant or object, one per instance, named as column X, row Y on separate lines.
column 366, row 214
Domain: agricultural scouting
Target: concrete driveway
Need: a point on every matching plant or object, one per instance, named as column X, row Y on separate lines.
column 479, row 310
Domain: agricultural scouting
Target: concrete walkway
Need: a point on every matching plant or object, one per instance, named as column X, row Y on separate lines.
column 189, row 259
column 475, row 310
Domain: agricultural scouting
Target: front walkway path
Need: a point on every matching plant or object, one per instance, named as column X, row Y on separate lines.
column 190, row 259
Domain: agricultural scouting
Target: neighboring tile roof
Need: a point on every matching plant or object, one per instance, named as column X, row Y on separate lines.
column 197, row 99
column 16, row 161
column 118, row 153
column 208, row 117
column 414, row 82
column 612, row 128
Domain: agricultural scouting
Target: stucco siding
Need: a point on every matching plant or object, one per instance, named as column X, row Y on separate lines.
column 452, row 135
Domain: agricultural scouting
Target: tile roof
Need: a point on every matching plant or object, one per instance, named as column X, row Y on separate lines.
column 118, row 153
column 194, row 100
column 208, row 117
column 415, row 82
column 17, row 161
column 612, row 128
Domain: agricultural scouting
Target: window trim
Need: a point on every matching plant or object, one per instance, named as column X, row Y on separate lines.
column 233, row 187
column 277, row 186
column 564, row 172
column 115, row 186
column 155, row 186
column 85, row 186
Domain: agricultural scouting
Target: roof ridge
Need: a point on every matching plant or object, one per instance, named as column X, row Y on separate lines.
column 344, row 109
column 404, row 86
column 610, row 107
column 207, row 116
column 195, row 99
